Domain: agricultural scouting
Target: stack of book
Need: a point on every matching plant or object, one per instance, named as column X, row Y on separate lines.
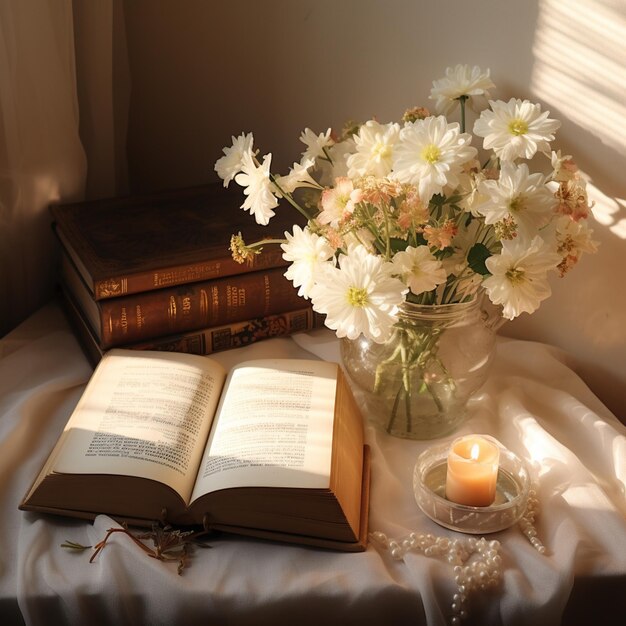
column 156, row 273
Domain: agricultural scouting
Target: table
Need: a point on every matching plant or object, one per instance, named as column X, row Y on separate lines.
column 533, row 403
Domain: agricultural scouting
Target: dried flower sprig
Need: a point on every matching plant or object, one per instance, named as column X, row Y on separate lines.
column 170, row 544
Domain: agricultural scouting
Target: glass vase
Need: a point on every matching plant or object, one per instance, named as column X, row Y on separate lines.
column 417, row 384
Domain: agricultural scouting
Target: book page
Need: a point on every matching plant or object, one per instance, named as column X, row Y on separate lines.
column 273, row 428
column 145, row 414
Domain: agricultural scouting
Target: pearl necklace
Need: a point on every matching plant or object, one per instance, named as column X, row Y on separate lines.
column 477, row 562
column 527, row 523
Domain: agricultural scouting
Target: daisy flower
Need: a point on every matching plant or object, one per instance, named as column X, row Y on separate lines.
column 461, row 80
column 516, row 128
column 517, row 194
column 430, row 154
column 469, row 190
column 374, row 149
column 518, row 278
column 298, row 176
column 338, row 202
column 315, row 144
column 306, row 252
column 360, row 296
column 231, row 163
column 258, row 188
column 326, row 172
column 419, row 269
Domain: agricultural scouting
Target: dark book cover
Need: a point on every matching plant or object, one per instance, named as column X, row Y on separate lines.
column 141, row 243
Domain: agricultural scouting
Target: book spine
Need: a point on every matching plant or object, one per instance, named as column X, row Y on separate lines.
column 151, row 314
column 237, row 335
column 139, row 282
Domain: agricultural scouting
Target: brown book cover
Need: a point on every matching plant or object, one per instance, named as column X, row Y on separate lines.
column 203, row 341
column 154, row 314
column 272, row 448
column 140, row 243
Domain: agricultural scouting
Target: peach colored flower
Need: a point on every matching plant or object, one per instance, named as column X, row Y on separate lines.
column 412, row 212
column 441, row 237
column 379, row 191
column 338, row 202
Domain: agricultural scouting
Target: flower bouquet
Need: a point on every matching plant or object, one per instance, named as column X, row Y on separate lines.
column 409, row 218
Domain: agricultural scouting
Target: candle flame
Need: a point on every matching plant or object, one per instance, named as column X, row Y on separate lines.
column 475, row 452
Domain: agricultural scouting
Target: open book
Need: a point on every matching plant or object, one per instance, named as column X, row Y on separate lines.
column 274, row 448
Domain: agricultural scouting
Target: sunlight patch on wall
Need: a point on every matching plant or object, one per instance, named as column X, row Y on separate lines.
column 606, row 210
column 580, row 65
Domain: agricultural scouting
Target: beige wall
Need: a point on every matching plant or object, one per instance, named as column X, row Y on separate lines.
column 202, row 71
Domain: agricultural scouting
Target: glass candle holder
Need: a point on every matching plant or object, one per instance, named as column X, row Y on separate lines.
column 510, row 501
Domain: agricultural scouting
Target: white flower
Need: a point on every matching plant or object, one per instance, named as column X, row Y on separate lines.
column 516, row 128
column 572, row 239
column 518, row 278
column 231, row 163
column 430, row 154
column 360, row 296
column 419, row 269
column 362, row 236
column 307, row 252
column 258, row 188
column 327, row 171
column 298, row 176
column 563, row 167
column 576, row 235
column 461, row 80
column 339, row 202
column 469, row 190
column 523, row 196
column 374, row 149
column 315, row 144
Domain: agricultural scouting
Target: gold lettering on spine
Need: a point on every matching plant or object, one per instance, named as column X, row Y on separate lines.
column 192, row 273
column 211, row 302
column 171, row 309
column 204, row 302
column 266, row 282
column 139, row 318
column 186, row 306
column 124, row 321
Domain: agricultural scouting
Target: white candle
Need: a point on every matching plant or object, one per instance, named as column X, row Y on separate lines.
column 472, row 470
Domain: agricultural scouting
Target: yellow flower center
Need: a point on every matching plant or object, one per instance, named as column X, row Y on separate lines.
column 382, row 150
column 357, row 296
column 343, row 199
column 515, row 276
column 518, row 127
column 517, row 203
column 431, row 153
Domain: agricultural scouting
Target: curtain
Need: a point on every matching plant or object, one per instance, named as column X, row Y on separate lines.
column 53, row 55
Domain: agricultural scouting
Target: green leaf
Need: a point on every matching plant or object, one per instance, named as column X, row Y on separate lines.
column 398, row 245
column 476, row 258
column 454, row 199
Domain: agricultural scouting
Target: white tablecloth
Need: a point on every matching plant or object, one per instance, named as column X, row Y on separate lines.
column 533, row 403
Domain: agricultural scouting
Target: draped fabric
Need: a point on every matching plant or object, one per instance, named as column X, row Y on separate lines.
column 42, row 158
column 533, row 403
